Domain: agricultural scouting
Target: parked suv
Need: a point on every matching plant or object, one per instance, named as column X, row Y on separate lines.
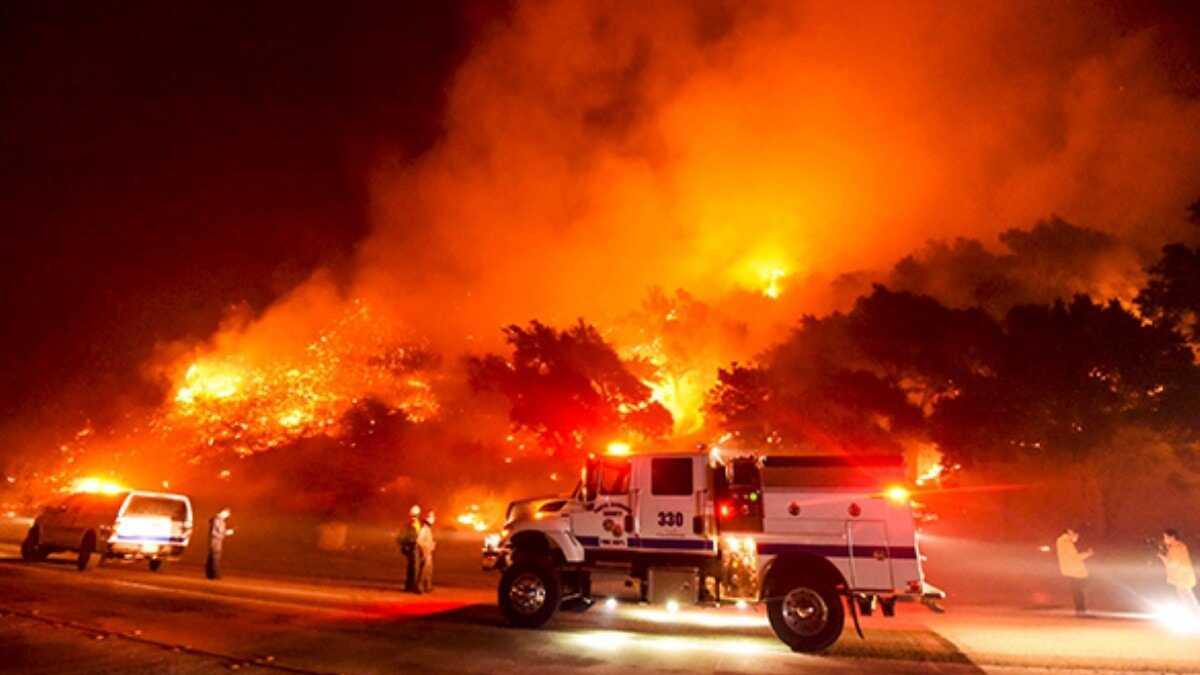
column 152, row 526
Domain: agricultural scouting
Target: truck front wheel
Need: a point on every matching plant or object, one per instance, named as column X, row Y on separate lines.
column 529, row 593
column 86, row 548
column 808, row 616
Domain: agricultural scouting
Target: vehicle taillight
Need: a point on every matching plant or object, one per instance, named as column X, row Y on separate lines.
column 725, row 510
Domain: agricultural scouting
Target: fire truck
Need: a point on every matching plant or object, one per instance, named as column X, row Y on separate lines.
column 811, row 537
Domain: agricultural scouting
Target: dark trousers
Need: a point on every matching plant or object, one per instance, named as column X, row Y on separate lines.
column 1078, row 586
column 410, row 569
column 212, row 566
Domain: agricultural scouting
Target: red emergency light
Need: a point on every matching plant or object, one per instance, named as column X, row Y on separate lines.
column 725, row 510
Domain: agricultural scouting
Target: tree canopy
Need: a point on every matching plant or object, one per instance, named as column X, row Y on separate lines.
column 1053, row 380
column 569, row 387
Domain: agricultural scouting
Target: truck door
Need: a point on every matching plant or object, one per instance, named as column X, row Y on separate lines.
column 870, row 557
column 671, row 499
column 57, row 525
column 605, row 521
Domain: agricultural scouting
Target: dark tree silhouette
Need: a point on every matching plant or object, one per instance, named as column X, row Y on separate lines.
column 570, row 387
column 1050, row 381
column 1172, row 292
column 1068, row 375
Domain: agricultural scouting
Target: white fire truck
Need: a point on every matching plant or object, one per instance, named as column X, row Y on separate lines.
column 798, row 533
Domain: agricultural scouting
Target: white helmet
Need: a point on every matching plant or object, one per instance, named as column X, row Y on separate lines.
column 414, row 511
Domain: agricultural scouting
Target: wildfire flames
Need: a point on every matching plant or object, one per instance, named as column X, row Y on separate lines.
column 572, row 176
column 472, row 518
column 226, row 401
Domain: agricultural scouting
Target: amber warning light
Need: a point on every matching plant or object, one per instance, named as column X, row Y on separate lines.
column 897, row 494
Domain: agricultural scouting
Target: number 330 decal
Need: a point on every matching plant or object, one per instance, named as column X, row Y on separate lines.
column 670, row 519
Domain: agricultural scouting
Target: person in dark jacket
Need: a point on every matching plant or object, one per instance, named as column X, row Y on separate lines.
column 408, row 547
column 218, row 529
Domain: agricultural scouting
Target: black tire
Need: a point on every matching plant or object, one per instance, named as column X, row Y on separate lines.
column 86, row 548
column 888, row 606
column 807, row 615
column 156, row 564
column 529, row 593
column 866, row 605
column 31, row 550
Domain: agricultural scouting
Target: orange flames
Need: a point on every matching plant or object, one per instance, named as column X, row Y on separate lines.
column 749, row 158
column 226, row 400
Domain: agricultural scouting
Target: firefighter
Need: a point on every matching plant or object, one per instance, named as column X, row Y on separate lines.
column 1178, row 564
column 425, row 546
column 218, row 529
column 408, row 547
column 1072, row 567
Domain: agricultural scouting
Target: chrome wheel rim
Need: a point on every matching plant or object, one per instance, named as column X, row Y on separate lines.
column 527, row 593
column 805, row 612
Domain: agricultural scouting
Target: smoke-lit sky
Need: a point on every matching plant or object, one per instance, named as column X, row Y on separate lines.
column 163, row 161
column 466, row 165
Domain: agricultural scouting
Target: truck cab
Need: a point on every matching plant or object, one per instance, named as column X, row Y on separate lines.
column 801, row 534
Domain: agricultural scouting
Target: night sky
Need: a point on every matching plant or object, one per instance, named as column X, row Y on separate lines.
column 163, row 162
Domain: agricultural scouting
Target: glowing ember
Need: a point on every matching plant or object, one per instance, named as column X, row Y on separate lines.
column 680, row 391
column 772, row 276
column 933, row 473
column 619, row 449
column 471, row 518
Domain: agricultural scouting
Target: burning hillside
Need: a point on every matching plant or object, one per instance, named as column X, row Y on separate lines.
column 223, row 401
column 685, row 183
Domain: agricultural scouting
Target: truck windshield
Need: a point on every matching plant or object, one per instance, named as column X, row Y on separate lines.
column 140, row 505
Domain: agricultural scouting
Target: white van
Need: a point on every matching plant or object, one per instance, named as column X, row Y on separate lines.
column 152, row 526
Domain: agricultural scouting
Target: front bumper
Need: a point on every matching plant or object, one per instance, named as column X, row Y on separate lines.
column 139, row 549
column 931, row 592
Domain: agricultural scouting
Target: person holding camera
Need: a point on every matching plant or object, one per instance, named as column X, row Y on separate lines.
column 1178, row 564
column 1071, row 566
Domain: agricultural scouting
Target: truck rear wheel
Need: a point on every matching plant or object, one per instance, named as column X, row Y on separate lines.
column 31, row 550
column 808, row 616
column 156, row 564
column 529, row 593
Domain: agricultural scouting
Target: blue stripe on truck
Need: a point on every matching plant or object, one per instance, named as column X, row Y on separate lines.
column 836, row 551
column 674, row 544
column 666, row 544
column 764, row 548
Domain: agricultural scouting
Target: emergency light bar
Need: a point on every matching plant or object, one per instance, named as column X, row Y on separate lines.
column 813, row 461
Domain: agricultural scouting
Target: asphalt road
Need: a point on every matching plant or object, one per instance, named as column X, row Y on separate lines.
column 124, row 619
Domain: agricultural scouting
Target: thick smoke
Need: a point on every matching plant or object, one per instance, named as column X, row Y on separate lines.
column 594, row 150
column 751, row 154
